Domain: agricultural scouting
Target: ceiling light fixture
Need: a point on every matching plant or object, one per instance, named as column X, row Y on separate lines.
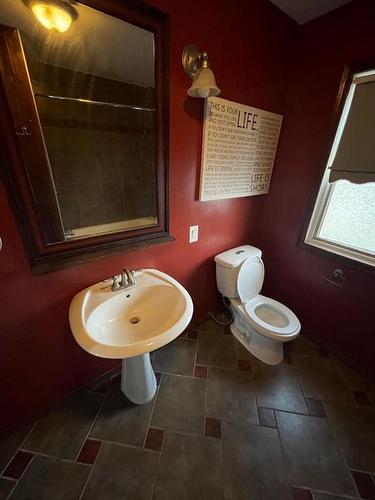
column 197, row 67
column 55, row 15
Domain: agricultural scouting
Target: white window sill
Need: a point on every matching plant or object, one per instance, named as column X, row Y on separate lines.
column 342, row 251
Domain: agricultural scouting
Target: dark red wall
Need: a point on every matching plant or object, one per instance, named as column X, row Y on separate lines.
column 340, row 318
column 248, row 43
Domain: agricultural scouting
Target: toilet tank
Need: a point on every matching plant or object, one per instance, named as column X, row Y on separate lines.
column 228, row 265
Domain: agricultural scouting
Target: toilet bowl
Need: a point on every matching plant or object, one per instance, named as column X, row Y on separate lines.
column 260, row 323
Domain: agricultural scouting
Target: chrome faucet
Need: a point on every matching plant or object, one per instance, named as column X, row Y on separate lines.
column 124, row 280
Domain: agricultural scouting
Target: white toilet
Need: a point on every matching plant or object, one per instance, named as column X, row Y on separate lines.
column 261, row 324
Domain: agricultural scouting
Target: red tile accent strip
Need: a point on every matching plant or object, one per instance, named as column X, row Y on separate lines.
column 267, row 417
column 154, row 439
column 192, row 334
column 365, row 484
column 89, row 451
column 200, row 371
column 361, row 398
column 301, row 494
column 18, row 464
column 244, row 365
column 213, row 427
column 316, row 407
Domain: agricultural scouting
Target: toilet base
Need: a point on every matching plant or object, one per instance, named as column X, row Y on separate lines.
column 267, row 350
column 138, row 381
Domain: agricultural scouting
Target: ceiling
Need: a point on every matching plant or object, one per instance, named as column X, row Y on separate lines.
column 95, row 43
column 304, row 11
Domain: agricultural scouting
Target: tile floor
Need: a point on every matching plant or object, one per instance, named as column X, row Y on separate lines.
column 222, row 426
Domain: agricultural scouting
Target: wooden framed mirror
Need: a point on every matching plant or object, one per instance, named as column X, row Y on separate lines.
column 85, row 127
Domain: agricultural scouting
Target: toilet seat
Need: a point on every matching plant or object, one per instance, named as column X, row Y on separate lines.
column 271, row 318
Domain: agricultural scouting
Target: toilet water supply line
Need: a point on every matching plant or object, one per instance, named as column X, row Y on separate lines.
column 223, row 323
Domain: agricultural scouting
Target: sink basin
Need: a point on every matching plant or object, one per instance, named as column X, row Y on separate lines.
column 130, row 323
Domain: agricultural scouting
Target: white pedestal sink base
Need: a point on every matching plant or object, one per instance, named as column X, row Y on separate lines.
column 138, row 381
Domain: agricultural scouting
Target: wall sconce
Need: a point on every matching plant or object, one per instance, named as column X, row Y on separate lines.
column 197, row 67
column 55, row 15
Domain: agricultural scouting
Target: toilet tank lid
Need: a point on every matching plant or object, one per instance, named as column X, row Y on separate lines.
column 236, row 256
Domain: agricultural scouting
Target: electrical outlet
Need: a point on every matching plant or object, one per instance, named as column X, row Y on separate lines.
column 193, row 234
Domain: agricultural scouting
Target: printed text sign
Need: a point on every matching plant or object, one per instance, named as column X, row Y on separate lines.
column 239, row 147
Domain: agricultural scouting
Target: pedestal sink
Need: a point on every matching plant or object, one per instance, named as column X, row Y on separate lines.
column 130, row 323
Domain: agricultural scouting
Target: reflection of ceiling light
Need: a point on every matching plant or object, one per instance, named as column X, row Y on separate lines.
column 54, row 15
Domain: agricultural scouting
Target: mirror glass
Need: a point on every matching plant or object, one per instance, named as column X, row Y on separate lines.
column 94, row 89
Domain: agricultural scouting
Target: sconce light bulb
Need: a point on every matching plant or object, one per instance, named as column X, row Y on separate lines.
column 52, row 16
column 204, row 92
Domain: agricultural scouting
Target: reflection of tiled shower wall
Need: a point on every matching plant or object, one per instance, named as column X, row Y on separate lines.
column 102, row 157
column 101, row 176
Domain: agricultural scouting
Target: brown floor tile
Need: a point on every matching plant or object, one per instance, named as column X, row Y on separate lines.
column 301, row 345
column 180, row 404
column 154, row 439
column 316, row 408
column 301, row 494
column 267, row 417
column 89, row 451
column 121, row 421
column 354, row 427
column 176, row 357
column 287, row 359
column 49, row 478
column 244, row 365
column 105, row 386
column 313, row 456
column 18, row 464
column 209, row 325
column 323, row 352
column 320, row 378
column 278, row 387
column 190, row 468
column 243, row 354
column 327, row 496
column 158, row 377
column 200, row 371
column 6, row 486
column 361, row 398
column 365, row 484
column 10, row 444
column 62, row 432
column 216, row 350
column 231, row 395
column 122, row 473
column 212, row 427
column 354, row 380
column 254, row 467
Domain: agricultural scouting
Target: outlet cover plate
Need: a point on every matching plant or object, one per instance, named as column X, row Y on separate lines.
column 193, row 234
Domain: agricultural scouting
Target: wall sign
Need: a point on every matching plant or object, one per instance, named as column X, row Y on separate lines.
column 239, row 147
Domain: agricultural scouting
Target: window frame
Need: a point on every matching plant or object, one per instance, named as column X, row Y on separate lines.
column 352, row 76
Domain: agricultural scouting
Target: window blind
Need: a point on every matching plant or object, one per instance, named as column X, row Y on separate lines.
column 355, row 156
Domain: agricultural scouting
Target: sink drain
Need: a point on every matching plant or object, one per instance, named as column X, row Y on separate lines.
column 135, row 319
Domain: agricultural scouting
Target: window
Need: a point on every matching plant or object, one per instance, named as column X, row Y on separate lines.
column 343, row 219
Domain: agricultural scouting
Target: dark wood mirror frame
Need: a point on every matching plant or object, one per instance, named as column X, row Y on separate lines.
column 18, row 107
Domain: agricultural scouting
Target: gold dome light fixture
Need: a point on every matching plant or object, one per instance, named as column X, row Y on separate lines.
column 55, row 15
column 197, row 67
